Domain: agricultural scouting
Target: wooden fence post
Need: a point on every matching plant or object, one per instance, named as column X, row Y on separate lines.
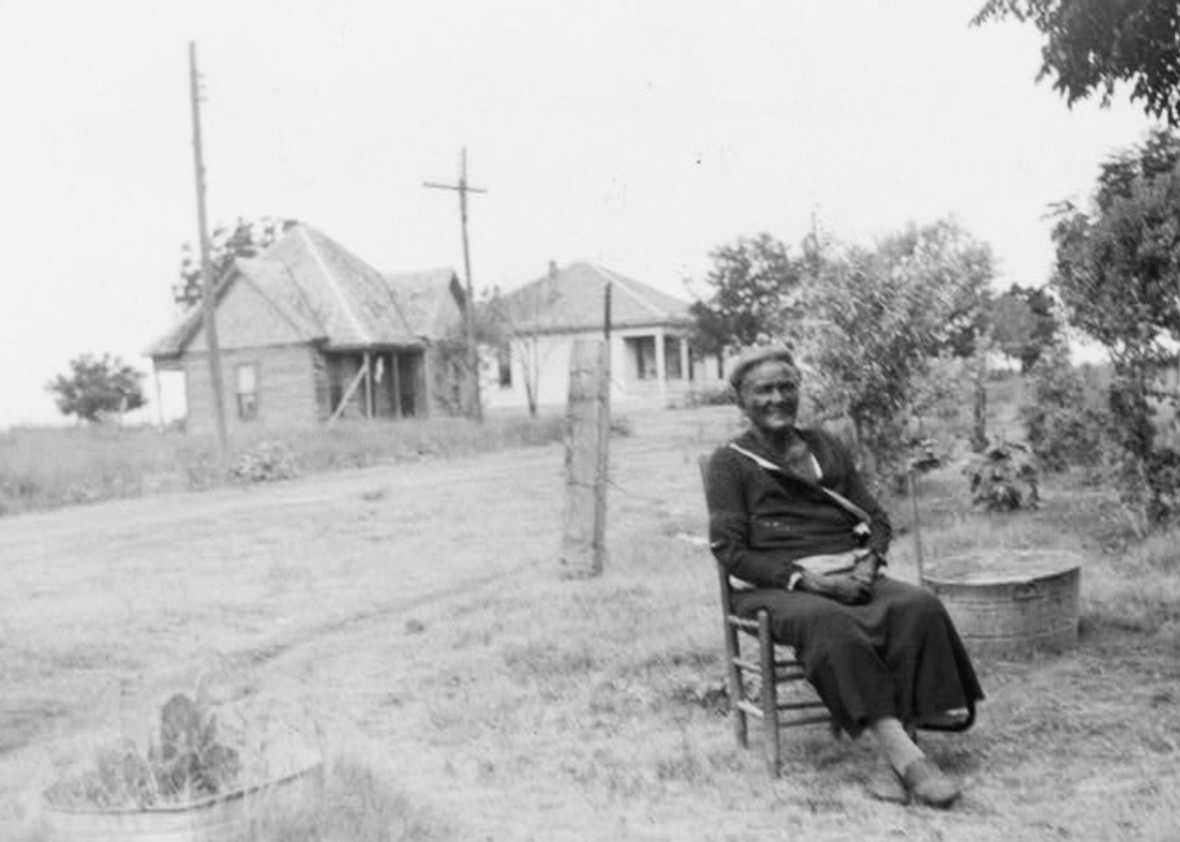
column 583, row 540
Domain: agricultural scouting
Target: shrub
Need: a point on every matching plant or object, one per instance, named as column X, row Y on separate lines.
column 1003, row 478
column 265, row 462
column 1064, row 424
column 620, row 425
column 719, row 395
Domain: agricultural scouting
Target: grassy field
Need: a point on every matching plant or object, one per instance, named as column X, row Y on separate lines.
column 49, row 467
column 412, row 616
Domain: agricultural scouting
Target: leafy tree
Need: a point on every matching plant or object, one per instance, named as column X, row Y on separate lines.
column 1092, row 45
column 877, row 318
column 750, row 285
column 1023, row 324
column 517, row 324
column 97, row 387
column 1011, row 322
column 1064, row 425
column 944, row 257
column 1117, row 271
column 1046, row 332
column 245, row 239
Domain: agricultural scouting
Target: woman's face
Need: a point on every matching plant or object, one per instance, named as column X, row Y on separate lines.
column 770, row 396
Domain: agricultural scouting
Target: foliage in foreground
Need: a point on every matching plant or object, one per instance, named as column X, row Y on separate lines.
column 1118, row 266
column 1092, row 45
column 1065, row 422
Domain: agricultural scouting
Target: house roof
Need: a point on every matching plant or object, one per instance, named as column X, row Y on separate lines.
column 329, row 295
column 426, row 300
column 572, row 298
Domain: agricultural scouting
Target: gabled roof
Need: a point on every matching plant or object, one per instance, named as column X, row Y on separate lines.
column 427, row 300
column 572, row 298
column 326, row 294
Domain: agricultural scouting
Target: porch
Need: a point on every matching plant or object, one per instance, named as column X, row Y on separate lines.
column 385, row 383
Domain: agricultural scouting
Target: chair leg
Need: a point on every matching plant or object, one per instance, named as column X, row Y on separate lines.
column 737, row 694
column 739, row 728
column 737, row 691
column 770, row 728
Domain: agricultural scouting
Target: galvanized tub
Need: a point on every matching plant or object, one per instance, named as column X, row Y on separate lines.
column 1010, row 602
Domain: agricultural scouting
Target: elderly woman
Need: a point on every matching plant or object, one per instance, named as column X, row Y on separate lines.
column 790, row 516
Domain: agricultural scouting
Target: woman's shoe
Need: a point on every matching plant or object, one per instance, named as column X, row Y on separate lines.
column 927, row 784
column 884, row 784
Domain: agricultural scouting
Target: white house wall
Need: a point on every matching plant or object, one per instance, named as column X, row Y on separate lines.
column 553, row 382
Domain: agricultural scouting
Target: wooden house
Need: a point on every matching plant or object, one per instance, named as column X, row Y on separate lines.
column 309, row 333
column 651, row 362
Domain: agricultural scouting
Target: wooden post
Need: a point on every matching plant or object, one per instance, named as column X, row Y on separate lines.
column 463, row 188
column 208, row 305
column 583, row 540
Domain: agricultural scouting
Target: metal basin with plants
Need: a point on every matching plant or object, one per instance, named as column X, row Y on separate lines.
column 193, row 784
column 214, row 818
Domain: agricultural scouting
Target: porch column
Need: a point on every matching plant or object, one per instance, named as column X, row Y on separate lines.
column 660, row 361
column 395, row 384
column 685, row 371
column 368, row 385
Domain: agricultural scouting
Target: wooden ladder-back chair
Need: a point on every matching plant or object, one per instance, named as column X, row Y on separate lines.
column 774, row 665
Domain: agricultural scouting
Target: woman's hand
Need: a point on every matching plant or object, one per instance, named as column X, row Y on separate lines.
column 842, row 587
column 867, row 568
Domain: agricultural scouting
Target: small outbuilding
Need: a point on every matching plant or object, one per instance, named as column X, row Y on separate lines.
column 309, row 333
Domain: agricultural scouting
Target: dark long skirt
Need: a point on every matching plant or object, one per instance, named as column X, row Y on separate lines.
column 899, row 655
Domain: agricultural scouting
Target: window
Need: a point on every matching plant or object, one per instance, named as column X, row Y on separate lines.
column 247, row 391
column 504, row 362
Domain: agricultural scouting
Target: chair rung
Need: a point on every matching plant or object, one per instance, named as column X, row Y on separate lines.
column 814, row 703
column 742, row 623
column 785, row 670
column 749, row 708
column 806, row 720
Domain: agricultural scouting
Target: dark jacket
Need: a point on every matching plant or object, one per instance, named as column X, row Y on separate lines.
column 761, row 521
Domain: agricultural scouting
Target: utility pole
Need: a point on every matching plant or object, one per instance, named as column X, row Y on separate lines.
column 469, row 311
column 207, row 303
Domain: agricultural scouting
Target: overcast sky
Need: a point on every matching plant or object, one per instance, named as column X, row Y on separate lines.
column 640, row 135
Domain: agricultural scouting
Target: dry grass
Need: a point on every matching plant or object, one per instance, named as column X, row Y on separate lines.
column 47, row 468
column 352, row 804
